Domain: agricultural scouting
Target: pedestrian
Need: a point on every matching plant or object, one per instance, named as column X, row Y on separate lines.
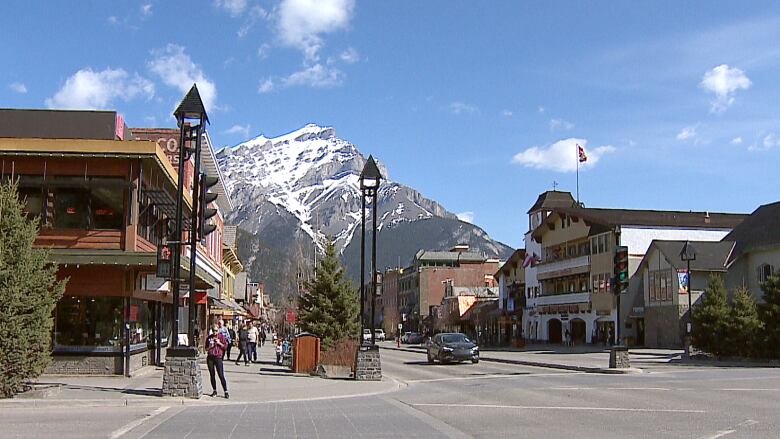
column 279, row 351
column 216, row 343
column 609, row 339
column 568, row 337
column 232, row 336
column 252, row 336
column 243, row 339
column 262, row 337
column 224, row 330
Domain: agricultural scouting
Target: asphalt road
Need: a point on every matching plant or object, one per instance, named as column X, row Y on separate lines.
column 486, row 400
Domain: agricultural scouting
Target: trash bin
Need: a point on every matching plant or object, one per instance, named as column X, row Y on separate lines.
column 306, row 353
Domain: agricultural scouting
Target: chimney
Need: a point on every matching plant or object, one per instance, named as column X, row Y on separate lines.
column 706, row 217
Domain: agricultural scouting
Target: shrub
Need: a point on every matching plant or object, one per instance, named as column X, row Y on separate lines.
column 770, row 317
column 745, row 327
column 711, row 319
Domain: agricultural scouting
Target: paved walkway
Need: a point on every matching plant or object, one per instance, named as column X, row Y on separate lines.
column 260, row 382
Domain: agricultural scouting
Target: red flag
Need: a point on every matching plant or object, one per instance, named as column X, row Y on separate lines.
column 581, row 152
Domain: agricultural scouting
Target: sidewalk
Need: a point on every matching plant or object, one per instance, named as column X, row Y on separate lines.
column 592, row 359
column 261, row 382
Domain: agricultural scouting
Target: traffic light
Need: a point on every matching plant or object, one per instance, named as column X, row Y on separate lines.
column 620, row 283
column 204, row 211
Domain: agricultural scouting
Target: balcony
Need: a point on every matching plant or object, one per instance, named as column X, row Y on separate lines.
column 561, row 299
column 563, row 267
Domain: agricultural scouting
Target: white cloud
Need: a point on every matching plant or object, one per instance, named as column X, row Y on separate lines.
column 233, row 7
column 459, row 108
column 239, row 129
column 256, row 14
column 18, row 87
column 88, row 89
column 688, row 133
column 724, row 81
column 736, row 141
column 176, row 69
column 263, row 51
column 146, row 10
column 350, row 56
column 466, row 216
column 561, row 156
column 113, row 20
column 540, row 109
column 506, row 113
column 302, row 22
column 266, row 86
column 768, row 142
column 317, row 76
column 560, row 124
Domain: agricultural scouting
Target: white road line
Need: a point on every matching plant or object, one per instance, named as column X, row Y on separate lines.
column 531, row 407
column 491, row 376
column 122, row 431
column 749, row 390
column 665, row 389
column 718, row 434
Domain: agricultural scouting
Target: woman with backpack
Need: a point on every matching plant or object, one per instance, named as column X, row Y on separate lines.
column 216, row 343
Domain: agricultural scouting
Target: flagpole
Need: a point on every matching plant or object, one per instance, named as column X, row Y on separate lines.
column 577, row 158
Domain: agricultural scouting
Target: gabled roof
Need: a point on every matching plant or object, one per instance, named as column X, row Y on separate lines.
column 551, row 199
column 710, row 255
column 191, row 105
column 513, row 261
column 760, row 229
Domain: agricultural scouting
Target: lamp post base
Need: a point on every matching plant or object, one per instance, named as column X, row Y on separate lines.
column 368, row 366
column 618, row 357
column 182, row 377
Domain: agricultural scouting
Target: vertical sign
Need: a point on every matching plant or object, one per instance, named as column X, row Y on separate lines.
column 684, row 278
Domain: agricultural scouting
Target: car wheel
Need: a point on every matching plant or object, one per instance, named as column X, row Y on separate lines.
column 441, row 360
column 474, row 360
column 430, row 358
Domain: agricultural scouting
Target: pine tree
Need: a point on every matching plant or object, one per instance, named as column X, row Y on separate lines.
column 711, row 318
column 329, row 308
column 770, row 317
column 745, row 327
column 29, row 291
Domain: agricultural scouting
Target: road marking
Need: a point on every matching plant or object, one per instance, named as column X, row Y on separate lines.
column 122, row 431
column 610, row 388
column 491, row 376
column 749, row 390
column 721, row 433
column 533, row 407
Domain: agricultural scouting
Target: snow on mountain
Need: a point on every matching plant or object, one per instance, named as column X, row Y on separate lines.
column 312, row 175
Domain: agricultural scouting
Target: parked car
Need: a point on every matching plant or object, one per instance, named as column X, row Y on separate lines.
column 412, row 338
column 379, row 334
column 366, row 335
column 452, row 346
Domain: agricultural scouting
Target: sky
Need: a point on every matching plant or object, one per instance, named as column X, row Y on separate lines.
column 479, row 106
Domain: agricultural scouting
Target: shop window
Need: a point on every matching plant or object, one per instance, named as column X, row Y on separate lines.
column 765, row 271
column 107, row 201
column 602, row 244
column 88, row 322
column 71, row 203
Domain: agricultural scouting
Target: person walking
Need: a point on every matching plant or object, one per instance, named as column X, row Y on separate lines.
column 279, row 351
column 243, row 339
column 216, row 343
column 253, row 335
column 568, row 337
column 232, row 336
column 262, row 337
column 224, row 330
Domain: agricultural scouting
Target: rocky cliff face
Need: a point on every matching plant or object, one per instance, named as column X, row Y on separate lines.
column 296, row 191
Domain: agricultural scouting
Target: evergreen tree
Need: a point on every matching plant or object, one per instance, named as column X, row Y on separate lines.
column 745, row 327
column 329, row 308
column 770, row 316
column 29, row 291
column 711, row 318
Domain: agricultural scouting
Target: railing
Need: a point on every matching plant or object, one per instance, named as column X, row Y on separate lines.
column 563, row 265
column 559, row 299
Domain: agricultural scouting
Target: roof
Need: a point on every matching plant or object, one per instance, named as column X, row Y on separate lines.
column 191, row 105
column 760, row 229
column 710, row 255
column 423, row 255
column 516, row 258
column 650, row 218
column 552, row 199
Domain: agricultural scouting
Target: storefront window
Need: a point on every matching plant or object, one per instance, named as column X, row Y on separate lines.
column 88, row 322
column 95, row 203
column 140, row 323
column 71, row 203
column 107, row 200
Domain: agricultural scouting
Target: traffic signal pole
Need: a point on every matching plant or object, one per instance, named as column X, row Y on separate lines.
column 194, row 232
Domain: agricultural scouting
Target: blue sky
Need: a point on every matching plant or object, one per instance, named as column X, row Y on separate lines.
column 476, row 105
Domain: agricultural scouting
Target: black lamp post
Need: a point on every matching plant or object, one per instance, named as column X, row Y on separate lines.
column 369, row 186
column 191, row 109
column 688, row 254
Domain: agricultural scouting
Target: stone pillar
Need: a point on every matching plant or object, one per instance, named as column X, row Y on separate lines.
column 368, row 366
column 182, row 377
column 618, row 357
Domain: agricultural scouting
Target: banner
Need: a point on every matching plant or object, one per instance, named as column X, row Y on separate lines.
column 683, row 279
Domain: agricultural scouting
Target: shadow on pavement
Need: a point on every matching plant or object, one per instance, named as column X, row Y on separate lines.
column 149, row 391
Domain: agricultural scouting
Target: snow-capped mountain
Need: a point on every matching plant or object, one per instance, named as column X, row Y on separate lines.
column 297, row 190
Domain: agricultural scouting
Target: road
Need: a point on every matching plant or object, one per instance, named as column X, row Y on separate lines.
column 486, row 400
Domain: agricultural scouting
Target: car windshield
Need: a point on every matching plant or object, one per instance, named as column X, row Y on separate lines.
column 366, row 331
column 455, row 338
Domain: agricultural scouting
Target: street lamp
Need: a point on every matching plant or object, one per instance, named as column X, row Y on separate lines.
column 369, row 185
column 688, row 254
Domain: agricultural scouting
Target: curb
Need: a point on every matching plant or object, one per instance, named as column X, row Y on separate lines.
column 21, row 403
column 601, row 370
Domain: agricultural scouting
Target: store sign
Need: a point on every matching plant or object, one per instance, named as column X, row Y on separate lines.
column 683, row 278
column 166, row 139
column 150, row 282
column 119, row 128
